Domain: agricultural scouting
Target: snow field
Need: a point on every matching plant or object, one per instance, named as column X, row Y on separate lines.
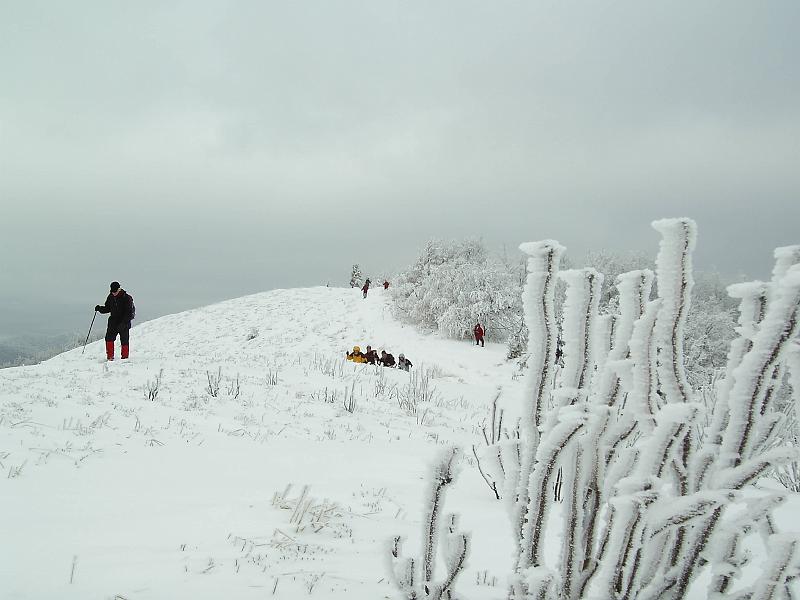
column 238, row 455
column 108, row 494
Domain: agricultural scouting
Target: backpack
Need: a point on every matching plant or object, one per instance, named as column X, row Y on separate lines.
column 133, row 308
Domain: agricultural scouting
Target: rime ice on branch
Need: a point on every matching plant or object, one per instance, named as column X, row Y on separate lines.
column 415, row 577
column 648, row 489
column 675, row 282
column 538, row 304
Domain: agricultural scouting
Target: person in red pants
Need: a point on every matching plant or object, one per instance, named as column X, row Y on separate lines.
column 479, row 333
column 120, row 309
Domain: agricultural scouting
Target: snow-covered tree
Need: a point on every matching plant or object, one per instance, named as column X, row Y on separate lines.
column 355, row 276
column 454, row 284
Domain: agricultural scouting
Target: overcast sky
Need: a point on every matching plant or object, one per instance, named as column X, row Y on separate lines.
column 201, row 150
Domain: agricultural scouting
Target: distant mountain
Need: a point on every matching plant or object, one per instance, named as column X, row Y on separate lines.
column 31, row 349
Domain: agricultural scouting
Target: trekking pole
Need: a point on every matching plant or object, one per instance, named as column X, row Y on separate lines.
column 90, row 332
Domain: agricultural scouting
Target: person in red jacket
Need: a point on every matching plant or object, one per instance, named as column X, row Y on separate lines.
column 385, row 285
column 479, row 333
column 120, row 305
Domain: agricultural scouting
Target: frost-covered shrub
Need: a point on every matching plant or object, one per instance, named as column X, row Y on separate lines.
column 454, row 284
column 414, row 577
column 655, row 493
column 710, row 322
column 612, row 265
column 151, row 388
column 419, row 390
column 355, row 276
column 214, row 381
column 306, row 512
column 517, row 343
column 654, row 471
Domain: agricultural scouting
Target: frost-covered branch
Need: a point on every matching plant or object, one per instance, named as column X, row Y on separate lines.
column 415, row 578
column 675, row 282
column 650, row 482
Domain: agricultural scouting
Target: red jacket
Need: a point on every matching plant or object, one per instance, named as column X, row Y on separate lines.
column 478, row 331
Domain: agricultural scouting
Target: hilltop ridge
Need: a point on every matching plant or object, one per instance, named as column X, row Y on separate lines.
column 110, row 493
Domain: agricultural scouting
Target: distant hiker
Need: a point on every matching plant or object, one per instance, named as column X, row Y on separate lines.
column 385, row 285
column 120, row 304
column 479, row 333
column 403, row 363
column 387, row 360
column 371, row 355
column 356, row 356
column 365, row 288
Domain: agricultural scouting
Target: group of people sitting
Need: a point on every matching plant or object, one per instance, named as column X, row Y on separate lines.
column 385, row 359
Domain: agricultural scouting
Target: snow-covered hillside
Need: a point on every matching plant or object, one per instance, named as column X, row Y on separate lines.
column 238, row 455
column 108, row 494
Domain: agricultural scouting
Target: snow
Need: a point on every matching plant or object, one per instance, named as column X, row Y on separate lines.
column 272, row 487
column 106, row 494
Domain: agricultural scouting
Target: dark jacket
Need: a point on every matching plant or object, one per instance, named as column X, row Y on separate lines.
column 120, row 307
column 387, row 360
column 371, row 356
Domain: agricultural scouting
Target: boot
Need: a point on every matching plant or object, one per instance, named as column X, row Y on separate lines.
column 124, row 352
column 110, row 350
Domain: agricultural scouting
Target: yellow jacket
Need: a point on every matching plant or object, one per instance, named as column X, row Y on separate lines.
column 356, row 355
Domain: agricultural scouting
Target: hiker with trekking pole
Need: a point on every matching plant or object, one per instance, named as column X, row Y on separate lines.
column 121, row 310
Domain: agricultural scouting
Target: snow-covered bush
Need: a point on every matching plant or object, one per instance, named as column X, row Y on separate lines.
column 214, row 381
column 454, row 284
column 654, row 494
column 306, row 512
column 711, row 320
column 355, row 276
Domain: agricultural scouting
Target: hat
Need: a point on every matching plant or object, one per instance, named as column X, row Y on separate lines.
column 114, row 286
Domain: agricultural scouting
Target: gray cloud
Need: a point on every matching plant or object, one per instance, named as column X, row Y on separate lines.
column 200, row 151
